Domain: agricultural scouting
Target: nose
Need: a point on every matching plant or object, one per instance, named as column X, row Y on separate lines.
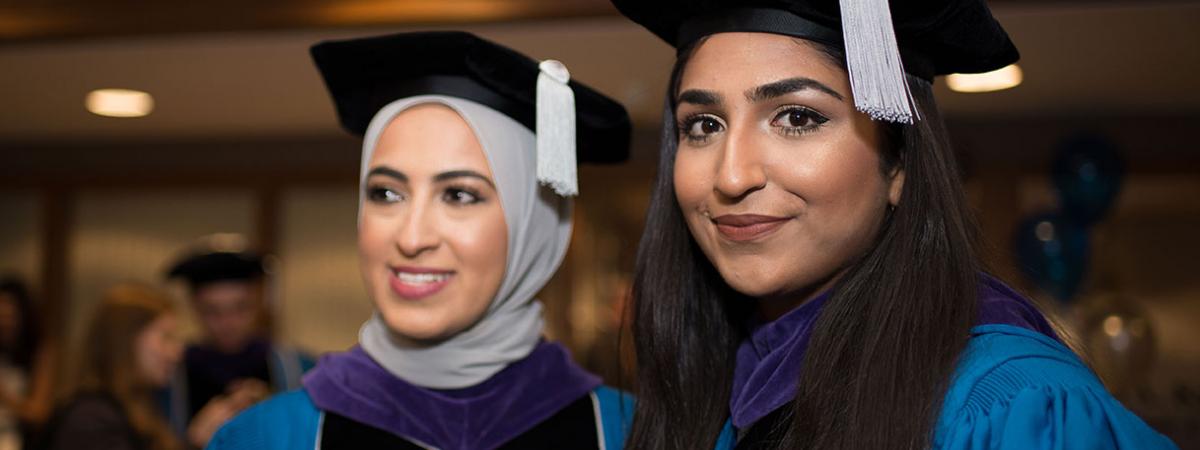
column 740, row 170
column 417, row 233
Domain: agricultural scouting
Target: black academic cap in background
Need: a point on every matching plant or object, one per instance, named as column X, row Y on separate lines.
column 364, row 75
column 210, row 267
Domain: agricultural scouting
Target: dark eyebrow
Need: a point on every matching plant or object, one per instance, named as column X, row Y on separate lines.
column 400, row 176
column 462, row 173
column 783, row 87
column 699, row 97
column 388, row 172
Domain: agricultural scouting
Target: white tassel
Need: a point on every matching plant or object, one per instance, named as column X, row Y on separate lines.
column 556, row 129
column 873, row 60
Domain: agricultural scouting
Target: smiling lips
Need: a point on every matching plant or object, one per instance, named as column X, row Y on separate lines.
column 415, row 283
column 747, row 227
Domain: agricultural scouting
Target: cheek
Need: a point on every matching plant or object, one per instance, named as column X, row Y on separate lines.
column 376, row 245
column 860, row 191
column 693, row 175
column 691, row 184
column 481, row 241
column 844, row 197
column 149, row 354
column 372, row 237
column 840, row 174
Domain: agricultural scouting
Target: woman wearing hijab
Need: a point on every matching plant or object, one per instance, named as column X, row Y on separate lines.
column 465, row 213
column 808, row 276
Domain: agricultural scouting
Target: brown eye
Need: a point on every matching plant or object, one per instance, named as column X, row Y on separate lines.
column 461, row 196
column 798, row 120
column 704, row 126
column 700, row 128
column 379, row 194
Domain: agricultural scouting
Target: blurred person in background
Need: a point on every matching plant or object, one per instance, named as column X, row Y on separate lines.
column 130, row 349
column 610, row 354
column 235, row 354
column 458, row 229
column 26, row 366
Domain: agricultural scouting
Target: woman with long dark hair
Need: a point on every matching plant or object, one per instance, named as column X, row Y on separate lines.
column 466, row 187
column 808, row 276
column 26, row 365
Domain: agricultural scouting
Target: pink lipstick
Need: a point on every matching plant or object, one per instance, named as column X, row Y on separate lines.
column 415, row 283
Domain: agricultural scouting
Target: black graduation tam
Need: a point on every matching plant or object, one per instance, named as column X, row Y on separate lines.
column 364, row 75
column 925, row 37
column 936, row 37
column 201, row 269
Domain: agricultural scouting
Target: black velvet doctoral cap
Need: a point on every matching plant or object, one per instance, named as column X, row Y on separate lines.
column 201, row 269
column 364, row 75
column 935, row 37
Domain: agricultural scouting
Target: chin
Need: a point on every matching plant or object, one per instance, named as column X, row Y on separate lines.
column 756, row 288
column 750, row 276
column 413, row 326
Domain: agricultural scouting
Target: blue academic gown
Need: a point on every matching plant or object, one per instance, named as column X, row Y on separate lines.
column 544, row 400
column 291, row 421
column 1019, row 389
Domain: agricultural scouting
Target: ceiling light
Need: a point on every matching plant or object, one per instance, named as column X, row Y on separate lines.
column 996, row 80
column 119, row 103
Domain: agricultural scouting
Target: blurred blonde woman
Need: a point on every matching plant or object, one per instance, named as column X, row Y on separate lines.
column 131, row 349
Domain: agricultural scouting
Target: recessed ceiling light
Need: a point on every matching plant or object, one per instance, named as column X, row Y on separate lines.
column 996, row 80
column 119, row 103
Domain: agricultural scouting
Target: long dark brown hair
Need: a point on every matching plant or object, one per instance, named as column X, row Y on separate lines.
column 28, row 335
column 885, row 343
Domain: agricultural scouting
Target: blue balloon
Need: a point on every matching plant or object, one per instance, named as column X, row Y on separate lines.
column 1052, row 251
column 1087, row 172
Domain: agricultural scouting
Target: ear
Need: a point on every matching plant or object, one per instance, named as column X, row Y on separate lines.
column 896, row 187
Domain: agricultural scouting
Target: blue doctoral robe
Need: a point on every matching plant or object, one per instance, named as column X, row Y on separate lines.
column 349, row 401
column 1016, row 386
column 1017, row 389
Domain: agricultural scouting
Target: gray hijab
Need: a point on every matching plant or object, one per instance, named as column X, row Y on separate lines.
column 539, row 231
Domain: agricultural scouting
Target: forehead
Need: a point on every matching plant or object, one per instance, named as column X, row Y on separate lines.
column 429, row 138
column 739, row 61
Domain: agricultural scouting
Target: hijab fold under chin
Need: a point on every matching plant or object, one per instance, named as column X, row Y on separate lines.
column 539, row 230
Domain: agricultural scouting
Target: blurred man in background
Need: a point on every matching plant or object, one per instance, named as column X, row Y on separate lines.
column 235, row 355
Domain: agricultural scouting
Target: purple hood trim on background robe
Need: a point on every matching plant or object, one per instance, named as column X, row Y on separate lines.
column 483, row 416
column 769, row 361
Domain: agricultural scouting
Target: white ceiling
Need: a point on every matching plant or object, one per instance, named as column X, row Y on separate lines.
column 1128, row 59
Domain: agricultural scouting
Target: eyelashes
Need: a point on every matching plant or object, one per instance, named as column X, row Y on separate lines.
column 698, row 128
column 798, row 120
column 382, row 194
column 461, row 196
column 789, row 121
column 453, row 195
